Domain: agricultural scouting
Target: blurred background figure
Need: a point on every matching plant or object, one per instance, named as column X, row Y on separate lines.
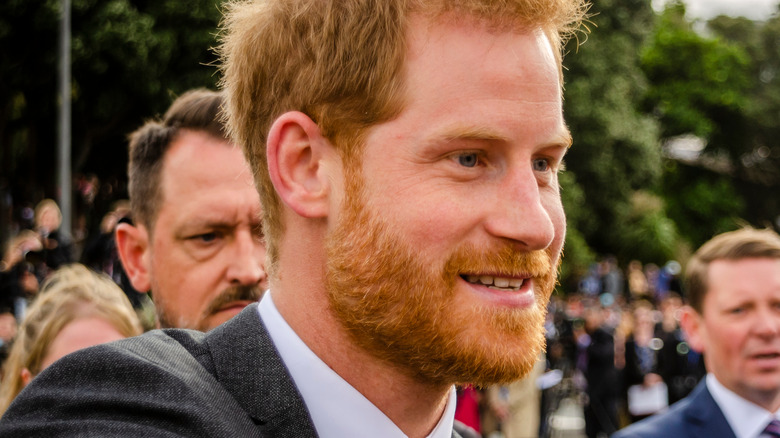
column 467, row 410
column 641, row 375
column 680, row 366
column 612, row 278
column 18, row 280
column 77, row 308
column 637, row 282
column 514, row 410
column 8, row 329
column 596, row 360
column 57, row 245
column 100, row 254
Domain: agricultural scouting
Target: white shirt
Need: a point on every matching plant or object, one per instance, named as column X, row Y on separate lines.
column 337, row 409
column 746, row 418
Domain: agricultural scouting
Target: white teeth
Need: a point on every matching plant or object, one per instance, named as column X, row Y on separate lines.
column 501, row 282
column 496, row 282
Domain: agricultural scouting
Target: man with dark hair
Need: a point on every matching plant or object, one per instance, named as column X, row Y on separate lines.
column 407, row 157
column 733, row 318
column 196, row 241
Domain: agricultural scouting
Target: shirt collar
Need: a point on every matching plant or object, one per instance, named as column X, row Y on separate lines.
column 746, row 419
column 337, row 409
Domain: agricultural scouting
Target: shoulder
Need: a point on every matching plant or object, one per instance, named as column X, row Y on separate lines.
column 161, row 383
column 664, row 425
column 695, row 415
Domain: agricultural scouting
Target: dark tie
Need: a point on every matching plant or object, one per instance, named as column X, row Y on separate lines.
column 772, row 429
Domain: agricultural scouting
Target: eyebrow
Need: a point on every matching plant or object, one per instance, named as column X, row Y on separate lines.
column 564, row 138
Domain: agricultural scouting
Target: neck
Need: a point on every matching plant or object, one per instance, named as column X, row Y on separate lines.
column 769, row 400
column 415, row 406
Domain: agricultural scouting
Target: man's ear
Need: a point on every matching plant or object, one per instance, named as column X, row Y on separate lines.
column 692, row 324
column 298, row 164
column 132, row 244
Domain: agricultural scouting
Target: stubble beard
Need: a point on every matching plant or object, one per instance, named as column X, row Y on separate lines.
column 234, row 293
column 407, row 312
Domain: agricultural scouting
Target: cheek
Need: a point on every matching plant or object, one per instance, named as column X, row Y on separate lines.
column 726, row 339
column 558, row 219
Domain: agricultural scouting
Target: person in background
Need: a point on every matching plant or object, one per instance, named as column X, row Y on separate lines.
column 733, row 318
column 8, row 328
column 597, row 361
column 57, row 244
column 18, row 281
column 514, row 410
column 637, row 281
column 100, row 254
column 680, row 366
column 196, row 241
column 76, row 308
column 641, row 372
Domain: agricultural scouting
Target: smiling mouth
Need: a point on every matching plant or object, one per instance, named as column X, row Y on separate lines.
column 498, row 283
column 766, row 356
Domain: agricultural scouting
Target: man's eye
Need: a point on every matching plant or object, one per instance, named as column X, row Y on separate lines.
column 206, row 237
column 468, row 160
column 541, row 165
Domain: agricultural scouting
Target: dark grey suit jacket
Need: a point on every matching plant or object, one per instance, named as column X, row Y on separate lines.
column 697, row 415
column 229, row 382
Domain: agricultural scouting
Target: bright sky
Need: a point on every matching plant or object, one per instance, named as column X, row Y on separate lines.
column 705, row 9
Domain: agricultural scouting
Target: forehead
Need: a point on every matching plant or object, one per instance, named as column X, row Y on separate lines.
column 743, row 280
column 198, row 157
column 200, row 170
column 464, row 70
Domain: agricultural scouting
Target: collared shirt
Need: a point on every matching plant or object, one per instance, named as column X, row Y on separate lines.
column 337, row 409
column 746, row 419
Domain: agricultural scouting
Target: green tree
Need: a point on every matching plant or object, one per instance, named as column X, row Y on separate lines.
column 615, row 150
column 755, row 156
column 719, row 86
column 128, row 59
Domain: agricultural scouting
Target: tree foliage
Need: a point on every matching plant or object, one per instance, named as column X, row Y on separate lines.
column 615, row 150
column 128, row 58
column 721, row 86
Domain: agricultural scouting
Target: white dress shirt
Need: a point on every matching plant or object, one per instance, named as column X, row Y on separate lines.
column 337, row 409
column 746, row 418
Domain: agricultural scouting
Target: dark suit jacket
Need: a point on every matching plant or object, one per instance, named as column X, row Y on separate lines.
column 697, row 415
column 229, row 382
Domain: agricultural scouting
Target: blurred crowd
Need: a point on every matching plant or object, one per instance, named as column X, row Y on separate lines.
column 38, row 248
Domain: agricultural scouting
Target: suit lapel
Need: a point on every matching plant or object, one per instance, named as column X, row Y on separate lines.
column 247, row 364
column 704, row 415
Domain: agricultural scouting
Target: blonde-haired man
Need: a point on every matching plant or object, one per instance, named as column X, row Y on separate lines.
column 406, row 154
column 733, row 318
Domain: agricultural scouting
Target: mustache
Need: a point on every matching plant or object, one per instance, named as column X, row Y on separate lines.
column 503, row 260
column 231, row 294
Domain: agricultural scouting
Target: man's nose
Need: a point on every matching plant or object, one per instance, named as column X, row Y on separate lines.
column 767, row 324
column 519, row 212
column 247, row 264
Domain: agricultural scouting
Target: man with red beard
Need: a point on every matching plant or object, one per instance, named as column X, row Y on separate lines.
column 196, row 241
column 406, row 154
